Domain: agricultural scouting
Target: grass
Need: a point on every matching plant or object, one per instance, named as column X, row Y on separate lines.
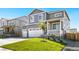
column 35, row 44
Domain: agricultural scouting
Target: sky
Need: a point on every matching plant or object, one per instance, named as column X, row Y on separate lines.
column 10, row 13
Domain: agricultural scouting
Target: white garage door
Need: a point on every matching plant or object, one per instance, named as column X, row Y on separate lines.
column 24, row 33
column 35, row 32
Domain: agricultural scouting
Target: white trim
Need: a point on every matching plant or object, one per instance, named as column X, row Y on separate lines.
column 60, row 28
column 47, row 28
column 56, row 25
column 45, row 16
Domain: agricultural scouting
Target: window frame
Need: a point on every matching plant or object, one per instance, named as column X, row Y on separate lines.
column 59, row 14
column 54, row 26
column 38, row 18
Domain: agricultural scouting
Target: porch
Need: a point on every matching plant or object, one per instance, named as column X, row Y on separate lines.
column 9, row 31
column 55, row 27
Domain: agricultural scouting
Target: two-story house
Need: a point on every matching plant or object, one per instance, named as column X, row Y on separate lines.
column 12, row 27
column 57, row 23
column 28, row 26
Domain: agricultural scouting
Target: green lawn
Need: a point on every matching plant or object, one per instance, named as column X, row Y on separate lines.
column 35, row 44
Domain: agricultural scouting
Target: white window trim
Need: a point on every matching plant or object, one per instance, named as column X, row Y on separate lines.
column 53, row 26
column 56, row 26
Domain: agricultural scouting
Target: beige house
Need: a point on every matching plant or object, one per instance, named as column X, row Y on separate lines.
column 57, row 23
column 11, row 27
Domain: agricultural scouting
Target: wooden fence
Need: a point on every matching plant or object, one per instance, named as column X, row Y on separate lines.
column 72, row 36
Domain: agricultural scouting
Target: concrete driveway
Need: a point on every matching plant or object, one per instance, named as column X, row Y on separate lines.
column 8, row 41
column 71, row 45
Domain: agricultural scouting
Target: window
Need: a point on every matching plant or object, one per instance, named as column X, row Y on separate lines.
column 31, row 19
column 36, row 18
column 12, row 23
column 54, row 26
column 58, row 14
column 40, row 17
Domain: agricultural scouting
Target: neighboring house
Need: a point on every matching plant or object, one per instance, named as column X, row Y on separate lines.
column 72, row 30
column 57, row 23
column 11, row 27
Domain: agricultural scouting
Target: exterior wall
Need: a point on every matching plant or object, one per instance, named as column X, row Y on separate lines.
column 35, row 18
column 66, row 23
column 33, row 26
column 1, row 31
column 22, row 21
column 54, row 15
column 3, row 22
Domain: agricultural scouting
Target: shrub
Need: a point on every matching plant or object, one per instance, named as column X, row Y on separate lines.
column 2, row 36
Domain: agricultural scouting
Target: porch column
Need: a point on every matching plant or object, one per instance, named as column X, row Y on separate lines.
column 60, row 28
column 47, row 27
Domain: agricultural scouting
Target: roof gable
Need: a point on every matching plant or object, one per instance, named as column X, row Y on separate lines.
column 36, row 11
column 67, row 15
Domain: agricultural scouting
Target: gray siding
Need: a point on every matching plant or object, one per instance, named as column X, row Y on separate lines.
column 33, row 26
column 55, row 15
column 35, row 18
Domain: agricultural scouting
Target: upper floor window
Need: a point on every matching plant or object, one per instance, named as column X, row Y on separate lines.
column 36, row 18
column 40, row 17
column 58, row 14
column 31, row 19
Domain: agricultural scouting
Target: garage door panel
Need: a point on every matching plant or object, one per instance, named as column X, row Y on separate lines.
column 32, row 32
column 35, row 32
column 24, row 33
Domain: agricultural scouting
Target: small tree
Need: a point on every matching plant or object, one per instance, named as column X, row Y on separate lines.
column 43, row 26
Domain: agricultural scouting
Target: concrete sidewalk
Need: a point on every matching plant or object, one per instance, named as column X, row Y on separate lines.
column 71, row 49
column 8, row 41
column 71, row 45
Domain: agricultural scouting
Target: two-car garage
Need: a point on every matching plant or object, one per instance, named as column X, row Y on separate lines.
column 32, row 32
